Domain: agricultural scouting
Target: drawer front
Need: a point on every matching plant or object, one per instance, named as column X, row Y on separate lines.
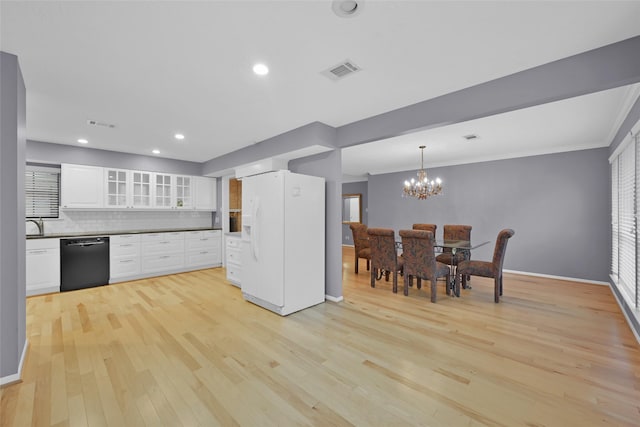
column 124, row 266
column 202, row 258
column 162, row 247
column 233, row 273
column 160, row 237
column 193, row 234
column 162, row 262
column 124, row 249
column 43, row 244
column 233, row 255
column 124, row 239
column 202, row 243
column 233, row 242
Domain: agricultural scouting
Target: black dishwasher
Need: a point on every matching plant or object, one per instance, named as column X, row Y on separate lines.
column 84, row 263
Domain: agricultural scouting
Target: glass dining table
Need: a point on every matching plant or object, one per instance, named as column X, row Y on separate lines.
column 455, row 246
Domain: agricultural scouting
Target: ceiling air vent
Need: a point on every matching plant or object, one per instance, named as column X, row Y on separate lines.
column 341, row 70
column 100, row 124
column 471, row 137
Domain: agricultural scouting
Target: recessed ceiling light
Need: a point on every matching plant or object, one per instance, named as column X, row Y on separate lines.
column 179, row 136
column 261, row 69
column 83, row 141
column 155, row 151
column 346, row 8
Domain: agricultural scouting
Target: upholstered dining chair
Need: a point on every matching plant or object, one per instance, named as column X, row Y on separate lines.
column 426, row 227
column 455, row 232
column 491, row 269
column 384, row 257
column 420, row 260
column 361, row 243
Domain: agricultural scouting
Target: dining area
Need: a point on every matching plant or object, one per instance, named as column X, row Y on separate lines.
column 421, row 254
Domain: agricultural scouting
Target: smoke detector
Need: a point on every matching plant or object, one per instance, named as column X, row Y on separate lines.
column 347, row 8
column 341, row 70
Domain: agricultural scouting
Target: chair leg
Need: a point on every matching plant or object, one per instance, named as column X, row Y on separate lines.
column 368, row 262
column 356, row 264
column 395, row 282
column 465, row 278
column 406, row 284
column 496, row 290
column 373, row 277
column 433, row 289
column 418, row 283
column 500, row 285
column 386, row 276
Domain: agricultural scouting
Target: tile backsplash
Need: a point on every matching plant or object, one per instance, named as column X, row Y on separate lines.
column 110, row 221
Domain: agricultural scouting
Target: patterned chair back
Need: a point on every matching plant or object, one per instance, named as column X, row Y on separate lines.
column 426, row 227
column 360, row 236
column 456, row 232
column 383, row 248
column 418, row 254
column 500, row 249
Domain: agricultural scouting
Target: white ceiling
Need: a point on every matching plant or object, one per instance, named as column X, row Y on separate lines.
column 156, row 68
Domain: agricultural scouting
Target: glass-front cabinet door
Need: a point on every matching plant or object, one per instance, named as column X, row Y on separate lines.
column 117, row 188
column 163, row 190
column 141, row 189
column 184, row 191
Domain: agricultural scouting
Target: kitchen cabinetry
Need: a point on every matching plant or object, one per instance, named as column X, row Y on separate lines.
column 232, row 258
column 162, row 251
column 81, row 187
column 42, row 266
column 124, row 256
column 205, row 193
column 184, row 192
column 202, row 248
column 91, row 187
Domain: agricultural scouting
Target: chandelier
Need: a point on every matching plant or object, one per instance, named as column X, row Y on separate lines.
column 422, row 187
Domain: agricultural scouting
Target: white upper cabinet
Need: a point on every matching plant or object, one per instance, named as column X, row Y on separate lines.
column 184, row 192
column 90, row 187
column 205, row 193
column 127, row 189
column 141, row 189
column 163, row 188
column 81, row 187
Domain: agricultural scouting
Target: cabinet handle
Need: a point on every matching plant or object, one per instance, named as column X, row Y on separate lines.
column 40, row 251
column 124, row 261
column 204, row 253
column 126, row 245
column 165, row 257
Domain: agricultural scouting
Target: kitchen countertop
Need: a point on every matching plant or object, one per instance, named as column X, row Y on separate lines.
column 114, row 233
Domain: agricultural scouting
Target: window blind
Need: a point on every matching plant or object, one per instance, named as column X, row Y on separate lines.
column 614, row 218
column 42, row 191
column 627, row 221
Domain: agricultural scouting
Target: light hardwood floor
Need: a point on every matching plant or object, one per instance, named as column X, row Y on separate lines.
column 187, row 350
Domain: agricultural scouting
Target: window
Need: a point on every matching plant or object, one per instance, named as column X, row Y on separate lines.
column 625, row 206
column 42, row 191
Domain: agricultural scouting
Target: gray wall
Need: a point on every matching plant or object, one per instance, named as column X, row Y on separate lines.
column 44, row 152
column 329, row 166
column 12, row 239
column 557, row 204
column 355, row 188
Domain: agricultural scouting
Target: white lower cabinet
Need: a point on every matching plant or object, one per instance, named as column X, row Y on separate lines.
column 124, row 256
column 42, row 266
column 232, row 259
column 162, row 251
column 203, row 248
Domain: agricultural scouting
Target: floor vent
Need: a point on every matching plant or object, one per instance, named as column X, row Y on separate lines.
column 341, row 70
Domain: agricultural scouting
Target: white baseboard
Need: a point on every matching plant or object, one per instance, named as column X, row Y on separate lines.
column 626, row 316
column 14, row 378
column 550, row 276
column 349, row 246
column 334, row 299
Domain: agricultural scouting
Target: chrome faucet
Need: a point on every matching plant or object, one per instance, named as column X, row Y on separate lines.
column 40, row 225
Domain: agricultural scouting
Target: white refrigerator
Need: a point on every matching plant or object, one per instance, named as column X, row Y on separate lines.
column 283, row 241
